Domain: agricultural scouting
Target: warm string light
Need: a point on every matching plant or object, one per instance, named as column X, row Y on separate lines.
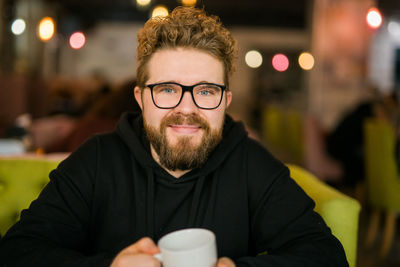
column 189, row 2
column 306, row 61
column 280, row 61
column 253, row 59
column 46, row 29
column 159, row 11
column 143, row 4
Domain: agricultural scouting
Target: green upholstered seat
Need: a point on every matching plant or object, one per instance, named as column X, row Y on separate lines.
column 21, row 181
column 339, row 211
column 383, row 183
column 282, row 132
column 382, row 180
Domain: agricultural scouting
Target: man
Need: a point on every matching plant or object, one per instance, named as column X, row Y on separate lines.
column 182, row 163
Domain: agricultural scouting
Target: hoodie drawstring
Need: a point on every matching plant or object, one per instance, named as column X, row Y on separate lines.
column 144, row 202
column 196, row 201
column 150, row 203
column 209, row 214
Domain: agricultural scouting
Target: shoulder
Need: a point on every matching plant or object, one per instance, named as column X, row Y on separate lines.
column 264, row 171
column 89, row 156
column 259, row 158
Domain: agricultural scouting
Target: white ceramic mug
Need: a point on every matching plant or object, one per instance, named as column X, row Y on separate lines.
column 192, row 247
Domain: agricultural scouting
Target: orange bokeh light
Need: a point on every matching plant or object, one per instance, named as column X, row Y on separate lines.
column 46, row 29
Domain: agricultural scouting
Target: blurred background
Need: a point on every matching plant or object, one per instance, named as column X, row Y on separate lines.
column 309, row 73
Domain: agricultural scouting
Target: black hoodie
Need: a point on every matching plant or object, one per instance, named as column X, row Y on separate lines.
column 110, row 193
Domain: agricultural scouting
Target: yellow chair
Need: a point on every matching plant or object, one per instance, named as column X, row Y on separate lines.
column 272, row 126
column 382, row 180
column 21, row 180
column 293, row 134
column 282, row 131
column 340, row 212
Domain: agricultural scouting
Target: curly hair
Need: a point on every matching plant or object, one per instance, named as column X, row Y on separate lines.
column 185, row 27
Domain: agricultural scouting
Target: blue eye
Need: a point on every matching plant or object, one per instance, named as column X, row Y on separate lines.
column 204, row 92
column 207, row 90
column 167, row 90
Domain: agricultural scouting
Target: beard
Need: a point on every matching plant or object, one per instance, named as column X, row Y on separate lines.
column 183, row 155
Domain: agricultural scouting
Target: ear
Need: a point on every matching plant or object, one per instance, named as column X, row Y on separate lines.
column 138, row 96
column 228, row 97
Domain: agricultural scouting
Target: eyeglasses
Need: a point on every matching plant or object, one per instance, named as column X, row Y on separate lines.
column 169, row 94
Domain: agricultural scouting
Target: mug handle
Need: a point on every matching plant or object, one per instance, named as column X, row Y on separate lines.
column 158, row 256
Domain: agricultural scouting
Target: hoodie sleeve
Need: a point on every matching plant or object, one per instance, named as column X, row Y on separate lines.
column 53, row 231
column 285, row 230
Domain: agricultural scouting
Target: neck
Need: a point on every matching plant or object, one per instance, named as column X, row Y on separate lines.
column 176, row 173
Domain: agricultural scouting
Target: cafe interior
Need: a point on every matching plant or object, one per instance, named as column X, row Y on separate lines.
column 317, row 82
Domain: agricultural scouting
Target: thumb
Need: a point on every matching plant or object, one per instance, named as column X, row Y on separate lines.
column 145, row 245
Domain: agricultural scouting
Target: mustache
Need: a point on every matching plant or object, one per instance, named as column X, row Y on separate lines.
column 189, row 119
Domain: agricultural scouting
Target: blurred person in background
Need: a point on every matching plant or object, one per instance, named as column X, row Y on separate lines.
column 100, row 118
column 346, row 142
column 181, row 163
column 71, row 102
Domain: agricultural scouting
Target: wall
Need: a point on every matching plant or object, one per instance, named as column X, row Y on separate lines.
column 341, row 48
column 110, row 50
column 243, row 80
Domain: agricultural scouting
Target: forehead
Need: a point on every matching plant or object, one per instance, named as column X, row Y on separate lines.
column 184, row 65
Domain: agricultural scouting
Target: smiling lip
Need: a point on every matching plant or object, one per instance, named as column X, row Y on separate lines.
column 185, row 129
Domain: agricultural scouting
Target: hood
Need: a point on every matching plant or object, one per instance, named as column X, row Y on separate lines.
column 130, row 129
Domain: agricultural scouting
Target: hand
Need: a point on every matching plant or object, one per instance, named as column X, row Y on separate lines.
column 225, row 262
column 138, row 254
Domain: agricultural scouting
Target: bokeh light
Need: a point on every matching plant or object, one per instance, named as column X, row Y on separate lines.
column 18, row 26
column 306, row 61
column 394, row 29
column 280, row 62
column 189, row 2
column 253, row 59
column 77, row 40
column 374, row 18
column 160, row 11
column 143, row 3
column 46, row 29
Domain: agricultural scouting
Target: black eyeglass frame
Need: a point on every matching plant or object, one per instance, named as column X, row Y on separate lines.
column 186, row 88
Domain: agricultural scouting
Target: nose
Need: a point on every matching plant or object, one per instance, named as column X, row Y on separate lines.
column 186, row 105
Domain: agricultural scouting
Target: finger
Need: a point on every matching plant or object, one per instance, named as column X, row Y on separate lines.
column 225, row 262
column 142, row 260
column 144, row 245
